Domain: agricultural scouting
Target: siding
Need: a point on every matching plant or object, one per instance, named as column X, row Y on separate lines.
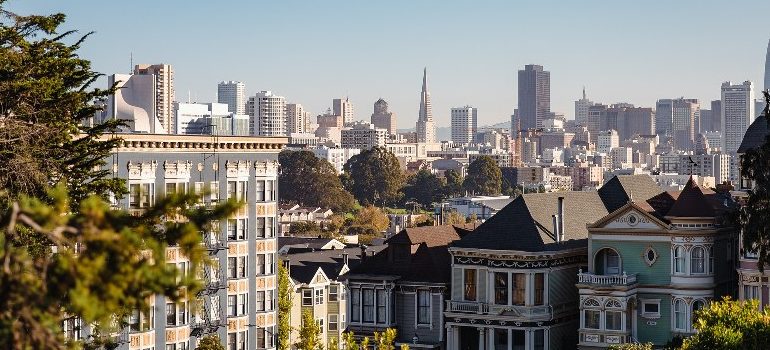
column 564, row 336
column 561, row 286
column 406, row 319
column 457, row 283
column 660, row 333
column 482, row 284
column 632, row 260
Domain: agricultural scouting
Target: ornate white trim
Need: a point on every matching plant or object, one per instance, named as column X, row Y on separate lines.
column 238, row 168
column 177, row 170
column 142, row 171
column 266, row 168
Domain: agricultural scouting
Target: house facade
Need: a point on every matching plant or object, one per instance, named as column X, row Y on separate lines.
column 404, row 287
column 513, row 278
column 652, row 264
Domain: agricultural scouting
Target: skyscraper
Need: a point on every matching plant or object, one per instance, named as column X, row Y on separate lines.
column 581, row 109
column 163, row 76
column 232, row 93
column 464, row 124
column 267, row 115
column 382, row 118
column 297, row 118
column 343, row 108
column 676, row 118
column 737, row 113
column 426, row 130
column 534, row 96
column 134, row 103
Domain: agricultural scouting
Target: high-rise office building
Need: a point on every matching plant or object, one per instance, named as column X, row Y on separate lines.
column 425, row 130
column 363, row 135
column 464, row 124
column 676, row 118
column 209, row 119
column 134, row 103
column 343, row 108
column 232, row 93
column 627, row 120
column 382, row 118
column 163, row 90
column 534, row 96
column 594, row 119
column 297, row 118
column 737, row 113
column 581, row 109
column 267, row 114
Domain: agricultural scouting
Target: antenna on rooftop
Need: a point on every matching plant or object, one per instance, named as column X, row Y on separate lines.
column 131, row 63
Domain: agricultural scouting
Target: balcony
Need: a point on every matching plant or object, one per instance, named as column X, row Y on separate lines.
column 606, row 280
column 604, row 338
column 528, row 312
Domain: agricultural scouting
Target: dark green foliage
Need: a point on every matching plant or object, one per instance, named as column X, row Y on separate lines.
column 730, row 325
column 311, row 181
column 454, row 183
column 424, row 188
column 210, row 342
column 304, row 228
column 753, row 216
column 375, row 177
column 285, row 292
column 484, row 177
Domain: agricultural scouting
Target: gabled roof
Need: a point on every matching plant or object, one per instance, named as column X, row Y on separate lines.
column 642, row 208
column 693, row 201
column 429, row 260
column 526, row 224
column 307, row 242
column 304, row 266
column 755, row 135
column 622, row 188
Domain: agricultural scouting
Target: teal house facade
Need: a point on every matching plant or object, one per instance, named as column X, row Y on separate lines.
column 653, row 263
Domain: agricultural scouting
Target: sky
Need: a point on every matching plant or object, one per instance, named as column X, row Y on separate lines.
column 313, row 51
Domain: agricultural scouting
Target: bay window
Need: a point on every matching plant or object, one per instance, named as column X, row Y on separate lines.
column 501, row 288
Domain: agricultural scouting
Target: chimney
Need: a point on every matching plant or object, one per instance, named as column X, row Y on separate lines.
column 560, row 214
column 555, row 227
column 345, row 258
column 287, row 265
column 363, row 252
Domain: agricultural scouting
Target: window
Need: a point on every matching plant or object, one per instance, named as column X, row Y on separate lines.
column 181, row 313
column 237, row 190
column 501, row 338
column 260, row 301
column 241, row 340
column 319, row 296
column 518, row 338
column 750, row 292
column 333, row 323
column 320, row 323
column 307, row 297
column 539, row 288
column 236, row 229
column 232, row 339
column 141, row 195
column 697, row 260
column 261, row 228
column 269, row 300
column 519, row 288
column 170, row 314
column 381, row 308
column 260, row 191
column 679, row 314
column 232, row 267
column 181, row 346
column 423, row 307
column 231, row 305
column 170, row 346
column 176, row 187
column 368, row 296
column 269, row 191
column 269, row 333
column 71, row 327
column 539, row 339
column 651, row 308
column 333, row 292
column 269, row 263
column 214, row 195
column 242, row 303
column 501, row 288
column 215, row 308
column 355, row 305
column 679, row 259
column 241, row 272
column 470, row 284
column 269, row 227
column 696, row 305
column 260, row 264
column 591, row 318
column 613, row 320
column 611, row 262
column 260, row 338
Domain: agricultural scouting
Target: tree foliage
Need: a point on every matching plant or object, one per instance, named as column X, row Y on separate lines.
column 454, row 183
column 372, row 216
column 730, row 325
column 285, row 293
column 375, row 177
column 309, row 333
column 424, row 188
column 45, row 94
column 210, row 342
column 311, row 181
column 753, row 216
column 632, row 346
column 484, row 177
column 385, row 340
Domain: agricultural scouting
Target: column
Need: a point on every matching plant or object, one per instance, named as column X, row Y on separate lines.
column 491, row 339
column 482, row 338
column 450, row 332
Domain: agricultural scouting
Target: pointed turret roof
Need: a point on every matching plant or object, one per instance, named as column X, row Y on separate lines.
column 693, row 202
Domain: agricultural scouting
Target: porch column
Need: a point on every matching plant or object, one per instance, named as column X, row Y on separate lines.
column 482, row 338
column 450, row 335
column 491, row 339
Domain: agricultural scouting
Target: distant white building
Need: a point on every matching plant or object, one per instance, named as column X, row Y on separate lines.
column 581, row 110
column 606, row 141
column 337, row 156
column 464, row 124
column 482, row 206
column 134, row 103
column 268, row 114
column 737, row 114
column 208, row 119
column 344, row 108
column 297, row 118
column 363, row 135
column 232, row 93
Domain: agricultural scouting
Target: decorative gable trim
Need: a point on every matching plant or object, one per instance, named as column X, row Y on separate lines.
column 643, row 217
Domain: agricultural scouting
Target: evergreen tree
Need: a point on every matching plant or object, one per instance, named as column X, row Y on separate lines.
column 754, row 216
column 484, row 177
column 309, row 333
column 285, row 293
column 424, row 188
column 210, row 342
column 454, row 183
column 375, row 177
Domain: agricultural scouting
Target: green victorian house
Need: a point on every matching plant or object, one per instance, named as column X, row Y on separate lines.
column 652, row 263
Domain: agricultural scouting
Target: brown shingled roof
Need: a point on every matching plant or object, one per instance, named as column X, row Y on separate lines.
column 693, row 202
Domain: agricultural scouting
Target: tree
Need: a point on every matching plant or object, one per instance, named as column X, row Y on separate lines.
column 309, row 333
column 424, row 188
column 285, row 293
column 753, row 216
column 454, row 218
column 728, row 325
column 374, row 217
column 304, row 228
column 45, row 94
column 375, row 177
column 311, row 181
column 385, row 340
column 210, row 342
column 454, row 183
column 484, row 177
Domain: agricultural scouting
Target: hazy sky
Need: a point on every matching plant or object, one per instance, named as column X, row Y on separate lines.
column 314, row 51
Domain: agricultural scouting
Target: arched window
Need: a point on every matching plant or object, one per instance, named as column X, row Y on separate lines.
column 607, row 262
column 679, row 314
column 696, row 305
column 591, row 316
column 697, row 260
column 679, row 259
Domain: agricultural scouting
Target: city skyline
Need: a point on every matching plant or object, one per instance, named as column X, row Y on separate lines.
column 310, row 62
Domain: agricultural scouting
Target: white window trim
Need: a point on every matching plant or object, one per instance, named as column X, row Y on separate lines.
column 649, row 315
column 417, row 324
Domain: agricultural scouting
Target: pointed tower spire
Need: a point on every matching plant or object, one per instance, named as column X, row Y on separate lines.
column 424, row 80
column 426, row 130
column 584, row 92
